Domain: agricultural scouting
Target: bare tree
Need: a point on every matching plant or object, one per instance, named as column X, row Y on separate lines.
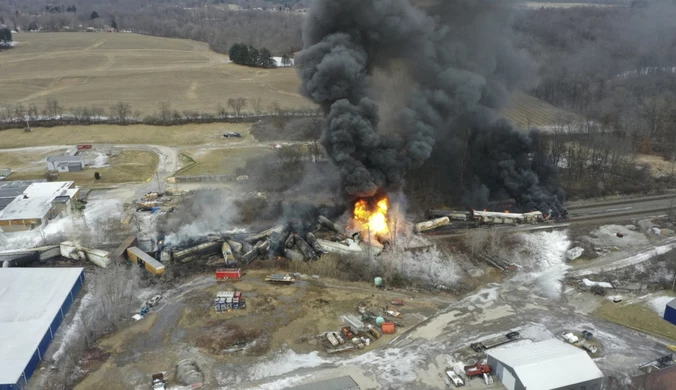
column 53, row 109
column 120, row 112
column 20, row 112
column 165, row 112
column 221, row 112
column 33, row 111
column 237, row 105
column 257, row 104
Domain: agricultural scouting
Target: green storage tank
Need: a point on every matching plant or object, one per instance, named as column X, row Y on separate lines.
column 378, row 281
column 380, row 321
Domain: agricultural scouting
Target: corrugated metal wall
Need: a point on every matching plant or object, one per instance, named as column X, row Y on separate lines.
column 670, row 313
column 47, row 338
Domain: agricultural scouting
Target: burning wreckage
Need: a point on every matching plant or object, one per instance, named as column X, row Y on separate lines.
column 371, row 227
column 366, row 234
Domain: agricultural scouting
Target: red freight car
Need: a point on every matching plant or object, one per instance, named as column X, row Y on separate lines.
column 228, row 273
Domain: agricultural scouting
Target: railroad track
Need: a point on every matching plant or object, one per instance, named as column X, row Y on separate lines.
column 578, row 215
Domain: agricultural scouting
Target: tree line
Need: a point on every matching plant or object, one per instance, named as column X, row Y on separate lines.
column 208, row 22
column 52, row 113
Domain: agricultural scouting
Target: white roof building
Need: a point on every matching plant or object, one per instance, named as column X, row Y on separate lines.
column 34, row 206
column 33, row 303
column 546, row 365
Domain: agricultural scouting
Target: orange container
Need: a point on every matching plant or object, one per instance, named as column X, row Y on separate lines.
column 388, row 327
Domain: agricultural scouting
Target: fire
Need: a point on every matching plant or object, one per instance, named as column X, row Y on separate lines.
column 506, row 211
column 371, row 215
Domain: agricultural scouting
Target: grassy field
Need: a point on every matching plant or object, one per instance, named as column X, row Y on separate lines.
column 124, row 167
column 221, row 161
column 637, row 316
column 192, row 134
column 28, row 165
column 99, row 69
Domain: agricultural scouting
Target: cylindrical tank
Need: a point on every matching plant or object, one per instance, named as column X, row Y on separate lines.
column 378, row 281
column 380, row 321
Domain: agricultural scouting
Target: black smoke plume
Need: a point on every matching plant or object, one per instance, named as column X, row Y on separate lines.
column 463, row 66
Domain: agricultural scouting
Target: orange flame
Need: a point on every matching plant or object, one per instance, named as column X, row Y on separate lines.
column 506, row 211
column 372, row 217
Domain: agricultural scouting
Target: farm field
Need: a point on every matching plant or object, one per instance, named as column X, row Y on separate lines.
column 100, row 69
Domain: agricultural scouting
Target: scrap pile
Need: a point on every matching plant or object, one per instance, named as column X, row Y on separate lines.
column 154, row 202
column 358, row 332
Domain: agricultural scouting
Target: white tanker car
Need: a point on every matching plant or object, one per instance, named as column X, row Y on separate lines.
column 491, row 217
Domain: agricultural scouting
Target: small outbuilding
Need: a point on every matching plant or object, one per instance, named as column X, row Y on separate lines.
column 546, row 365
column 65, row 163
column 670, row 311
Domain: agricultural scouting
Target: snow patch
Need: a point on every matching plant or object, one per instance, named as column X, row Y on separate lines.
column 591, row 283
column 286, row 362
column 659, row 304
column 543, row 257
column 72, row 332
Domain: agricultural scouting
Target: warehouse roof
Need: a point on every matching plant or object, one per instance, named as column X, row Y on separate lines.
column 35, row 201
column 341, row 383
column 549, row 364
column 30, row 299
column 64, row 158
column 10, row 189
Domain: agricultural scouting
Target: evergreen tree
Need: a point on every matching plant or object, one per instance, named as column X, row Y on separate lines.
column 5, row 36
column 265, row 59
column 94, row 15
column 113, row 24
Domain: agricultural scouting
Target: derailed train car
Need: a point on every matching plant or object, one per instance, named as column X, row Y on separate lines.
column 492, row 217
column 145, row 261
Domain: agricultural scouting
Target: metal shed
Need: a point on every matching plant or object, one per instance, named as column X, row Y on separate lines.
column 341, row 383
column 670, row 311
column 546, row 365
column 33, row 303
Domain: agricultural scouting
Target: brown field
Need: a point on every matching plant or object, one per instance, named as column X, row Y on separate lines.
column 126, row 166
column 100, row 69
column 192, row 134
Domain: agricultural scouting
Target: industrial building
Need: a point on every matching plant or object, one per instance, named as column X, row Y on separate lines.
column 546, row 365
column 9, row 190
column 341, row 383
column 37, row 204
column 670, row 311
column 65, row 163
column 33, row 303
